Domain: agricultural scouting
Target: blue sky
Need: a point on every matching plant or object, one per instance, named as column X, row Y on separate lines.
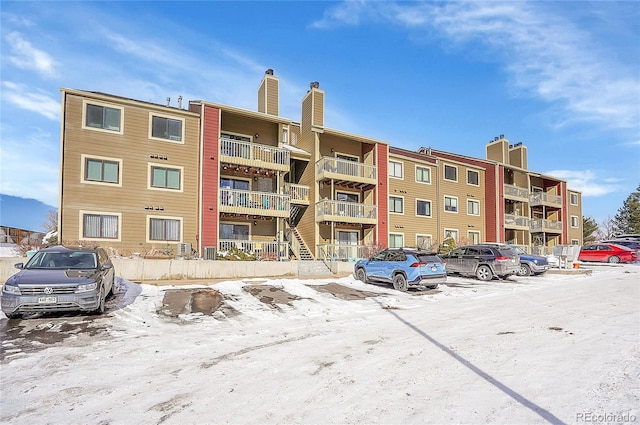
column 561, row 77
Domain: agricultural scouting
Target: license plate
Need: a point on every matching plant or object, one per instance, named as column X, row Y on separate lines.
column 47, row 300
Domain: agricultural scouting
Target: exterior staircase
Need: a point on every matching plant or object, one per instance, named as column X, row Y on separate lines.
column 298, row 246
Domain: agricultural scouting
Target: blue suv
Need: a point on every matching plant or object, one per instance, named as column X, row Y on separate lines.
column 404, row 267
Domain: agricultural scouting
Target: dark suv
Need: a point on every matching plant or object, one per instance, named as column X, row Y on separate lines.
column 403, row 267
column 483, row 261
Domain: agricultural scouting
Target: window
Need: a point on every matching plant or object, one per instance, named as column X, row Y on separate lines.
column 423, row 208
column 451, row 204
column 473, row 177
column 423, row 175
column 100, row 170
column 474, row 237
column 395, row 205
column 573, row 198
column 575, row 242
column 424, row 241
column 473, row 207
column 234, row 231
column 166, row 178
column 396, row 240
column 451, row 234
column 98, row 226
column 575, row 223
column 164, row 229
column 103, row 117
column 395, row 169
column 451, row 173
column 166, row 128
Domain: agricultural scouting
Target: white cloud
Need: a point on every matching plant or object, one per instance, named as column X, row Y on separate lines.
column 25, row 56
column 31, row 99
column 587, row 182
column 546, row 55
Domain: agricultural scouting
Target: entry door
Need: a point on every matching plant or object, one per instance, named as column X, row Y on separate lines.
column 347, row 238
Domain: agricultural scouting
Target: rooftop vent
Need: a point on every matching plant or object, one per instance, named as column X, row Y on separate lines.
column 502, row 136
column 314, row 85
column 495, row 139
column 268, row 72
column 168, row 101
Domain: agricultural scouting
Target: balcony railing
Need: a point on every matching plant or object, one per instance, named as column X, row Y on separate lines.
column 346, row 212
column 254, row 155
column 341, row 169
column 512, row 220
column 544, row 225
column 256, row 203
column 543, row 198
column 343, row 252
column 515, row 192
column 299, row 193
column 259, row 250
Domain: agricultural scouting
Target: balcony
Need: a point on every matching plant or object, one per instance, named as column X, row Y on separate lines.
column 254, row 155
column 512, row 221
column 542, row 225
column 346, row 212
column 545, row 199
column 343, row 252
column 260, row 250
column 516, row 193
column 298, row 193
column 346, row 173
column 254, row 203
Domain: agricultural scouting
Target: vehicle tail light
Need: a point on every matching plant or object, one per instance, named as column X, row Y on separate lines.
column 502, row 258
column 418, row 264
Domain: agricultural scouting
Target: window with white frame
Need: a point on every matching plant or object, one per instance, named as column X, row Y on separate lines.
column 451, row 173
column 451, row 234
column 423, row 175
column 396, row 205
column 573, row 198
column 575, row 242
column 103, row 117
column 474, row 237
column 473, row 207
column 424, row 241
column 423, row 208
column 473, row 177
column 395, row 169
column 575, row 223
column 167, row 128
column 396, row 240
column 101, row 170
column 165, row 177
column 451, row 204
column 100, row 225
column 164, row 229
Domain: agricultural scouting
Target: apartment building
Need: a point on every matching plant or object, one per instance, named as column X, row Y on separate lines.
column 129, row 174
column 216, row 179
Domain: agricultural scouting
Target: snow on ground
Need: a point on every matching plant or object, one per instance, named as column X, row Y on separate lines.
column 551, row 349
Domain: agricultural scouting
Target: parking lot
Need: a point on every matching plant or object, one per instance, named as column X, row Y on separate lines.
column 521, row 350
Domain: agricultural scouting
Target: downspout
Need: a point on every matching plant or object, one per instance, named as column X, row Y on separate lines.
column 61, row 174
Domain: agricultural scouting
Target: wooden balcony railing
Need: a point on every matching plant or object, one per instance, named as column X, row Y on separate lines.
column 515, row 192
column 343, row 252
column 544, row 225
column 543, row 198
column 260, row 250
column 257, row 203
column 299, row 193
column 254, row 155
column 347, row 212
column 341, row 169
column 512, row 220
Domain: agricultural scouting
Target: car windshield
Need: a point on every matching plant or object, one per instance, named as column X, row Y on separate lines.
column 62, row 260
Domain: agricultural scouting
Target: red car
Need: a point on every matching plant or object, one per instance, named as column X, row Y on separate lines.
column 607, row 253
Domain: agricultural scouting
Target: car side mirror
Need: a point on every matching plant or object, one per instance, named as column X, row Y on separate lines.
column 19, row 266
column 107, row 266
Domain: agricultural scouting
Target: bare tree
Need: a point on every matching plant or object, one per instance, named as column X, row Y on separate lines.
column 51, row 221
column 607, row 229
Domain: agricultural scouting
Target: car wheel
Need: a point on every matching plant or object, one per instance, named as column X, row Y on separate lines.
column 400, row 282
column 361, row 275
column 614, row 259
column 524, row 270
column 102, row 304
column 12, row 316
column 484, row 273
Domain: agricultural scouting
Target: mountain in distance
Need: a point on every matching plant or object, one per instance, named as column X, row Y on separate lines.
column 23, row 213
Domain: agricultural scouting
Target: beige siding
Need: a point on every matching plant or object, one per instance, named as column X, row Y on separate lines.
column 132, row 199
